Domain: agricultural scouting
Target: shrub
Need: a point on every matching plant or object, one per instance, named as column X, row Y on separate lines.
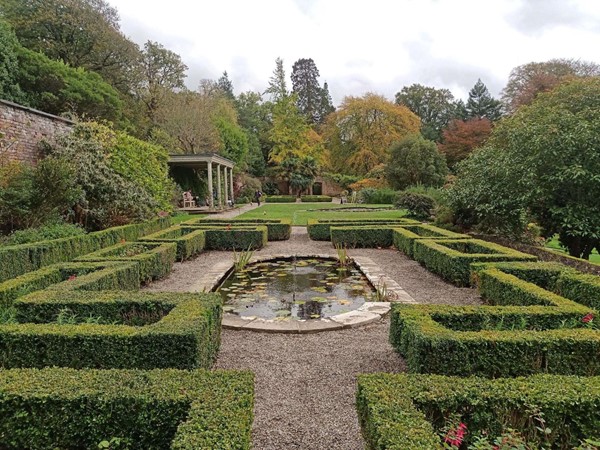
column 452, row 258
column 280, row 199
column 377, row 196
column 399, row 411
column 167, row 408
column 185, row 335
column 320, row 229
column 362, row 237
column 277, row 229
column 43, row 233
column 236, row 238
column 405, row 235
column 190, row 241
column 419, row 206
column 316, row 199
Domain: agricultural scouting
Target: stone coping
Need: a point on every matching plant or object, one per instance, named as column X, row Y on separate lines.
column 367, row 313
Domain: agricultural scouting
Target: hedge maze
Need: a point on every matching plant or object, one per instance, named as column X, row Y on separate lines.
column 530, row 352
column 121, row 367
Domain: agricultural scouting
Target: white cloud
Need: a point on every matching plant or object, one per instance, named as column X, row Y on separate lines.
column 375, row 45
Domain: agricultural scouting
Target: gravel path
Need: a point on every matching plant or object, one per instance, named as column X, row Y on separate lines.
column 306, row 384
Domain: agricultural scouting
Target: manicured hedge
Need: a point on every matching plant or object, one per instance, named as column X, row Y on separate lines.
column 236, row 238
column 452, row 258
column 496, row 341
column 16, row 260
column 280, row 199
column 579, row 287
column 320, row 230
column 277, row 229
column 157, row 409
column 90, row 276
column 154, row 259
column 405, row 236
column 401, row 412
column 190, row 241
column 186, row 337
column 362, row 237
column 316, row 199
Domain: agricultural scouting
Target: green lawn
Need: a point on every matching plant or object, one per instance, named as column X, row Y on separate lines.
column 182, row 217
column 554, row 245
column 301, row 212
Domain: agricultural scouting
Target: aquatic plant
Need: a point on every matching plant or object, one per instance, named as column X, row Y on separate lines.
column 241, row 259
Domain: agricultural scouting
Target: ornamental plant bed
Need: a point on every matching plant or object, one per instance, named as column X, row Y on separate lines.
column 452, row 258
column 401, row 411
column 86, row 276
column 320, row 230
column 91, row 330
column 405, row 236
column 277, row 229
column 497, row 341
column 157, row 409
column 16, row 260
column 154, row 259
column 190, row 241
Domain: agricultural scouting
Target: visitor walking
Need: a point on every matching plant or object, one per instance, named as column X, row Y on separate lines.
column 258, row 195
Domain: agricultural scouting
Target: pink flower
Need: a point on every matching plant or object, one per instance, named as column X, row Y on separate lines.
column 72, row 277
column 588, row 318
column 456, row 437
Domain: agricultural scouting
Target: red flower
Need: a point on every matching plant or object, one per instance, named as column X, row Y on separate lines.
column 72, row 277
column 456, row 437
column 588, row 318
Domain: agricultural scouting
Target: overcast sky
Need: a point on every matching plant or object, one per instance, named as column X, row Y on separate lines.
column 361, row 46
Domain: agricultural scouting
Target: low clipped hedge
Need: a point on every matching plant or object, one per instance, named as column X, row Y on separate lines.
column 579, row 287
column 316, row 199
column 16, row 260
column 190, row 241
column 451, row 258
column 362, row 237
column 90, row 276
column 157, row 409
column 280, row 199
column 236, row 238
column 405, row 236
column 277, row 229
column 185, row 333
column 497, row 341
column 320, row 230
column 402, row 411
column 154, row 259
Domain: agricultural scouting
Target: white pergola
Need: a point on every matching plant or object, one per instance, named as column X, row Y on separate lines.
column 210, row 162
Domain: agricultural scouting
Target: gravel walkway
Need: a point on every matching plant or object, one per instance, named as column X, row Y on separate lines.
column 306, row 384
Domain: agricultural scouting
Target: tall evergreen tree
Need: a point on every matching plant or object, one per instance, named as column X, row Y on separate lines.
column 305, row 84
column 481, row 104
column 325, row 104
column 277, row 85
column 226, row 86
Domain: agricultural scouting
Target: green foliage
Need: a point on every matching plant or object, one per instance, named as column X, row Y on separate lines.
column 362, row 236
column 313, row 101
column 277, row 229
column 156, row 409
column 343, row 180
column 452, row 258
column 406, row 234
column 399, row 411
column 542, row 163
column 44, row 233
column 316, row 199
column 378, row 196
column 280, row 199
column 419, row 206
column 234, row 142
column 237, row 238
column 16, row 260
column 320, row 229
column 9, row 84
column 184, row 331
column 189, row 241
column 481, row 104
column 155, row 260
column 415, row 160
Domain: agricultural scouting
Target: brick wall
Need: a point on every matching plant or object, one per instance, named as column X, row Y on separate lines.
column 22, row 129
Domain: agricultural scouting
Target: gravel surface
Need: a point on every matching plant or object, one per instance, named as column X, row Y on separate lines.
column 306, row 384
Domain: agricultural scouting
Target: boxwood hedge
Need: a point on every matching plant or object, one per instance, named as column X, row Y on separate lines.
column 280, row 199
column 362, row 237
column 320, row 230
column 184, row 331
column 16, row 260
column 156, row 409
column 154, row 259
column 277, row 229
column 452, row 258
column 401, row 411
column 404, row 237
column 189, row 241
column 91, row 276
column 316, row 199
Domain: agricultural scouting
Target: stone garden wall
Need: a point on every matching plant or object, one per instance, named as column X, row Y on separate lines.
column 22, row 129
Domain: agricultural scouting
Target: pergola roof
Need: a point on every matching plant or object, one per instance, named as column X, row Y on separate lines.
column 199, row 160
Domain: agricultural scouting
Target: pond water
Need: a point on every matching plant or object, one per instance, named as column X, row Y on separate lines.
column 286, row 289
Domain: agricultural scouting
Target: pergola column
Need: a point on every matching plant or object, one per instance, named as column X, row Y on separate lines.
column 231, row 183
column 211, row 201
column 226, row 184
column 219, row 198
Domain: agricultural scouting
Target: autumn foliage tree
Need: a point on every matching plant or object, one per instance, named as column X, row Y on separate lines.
column 359, row 134
column 461, row 137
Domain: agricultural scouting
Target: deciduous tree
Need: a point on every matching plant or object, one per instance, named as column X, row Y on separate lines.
column 461, row 137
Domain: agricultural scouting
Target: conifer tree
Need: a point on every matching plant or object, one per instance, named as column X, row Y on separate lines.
column 481, row 104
